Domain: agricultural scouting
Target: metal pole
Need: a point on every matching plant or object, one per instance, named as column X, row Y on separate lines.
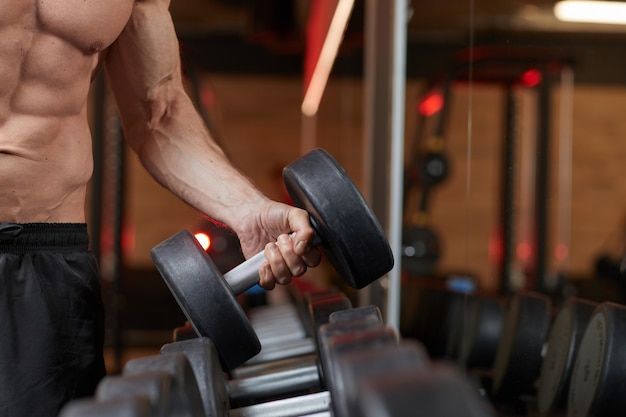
column 398, row 83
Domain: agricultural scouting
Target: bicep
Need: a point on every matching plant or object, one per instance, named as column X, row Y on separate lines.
column 143, row 65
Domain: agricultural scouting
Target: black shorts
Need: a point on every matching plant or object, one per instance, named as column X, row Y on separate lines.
column 51, row 318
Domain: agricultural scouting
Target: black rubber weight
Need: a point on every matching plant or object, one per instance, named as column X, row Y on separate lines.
column 351, row 237
column 205, row 298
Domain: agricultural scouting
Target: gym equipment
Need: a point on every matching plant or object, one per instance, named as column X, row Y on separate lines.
column 440, row 390
column 345, row 230
column 596, row 386
column 185, row 393
column 360, row 365
column 217, row 392
column 518, row 357
column 158, row 386
column 563, row 342
column 125, row 407
column 436, row 317
column 304, row 405
column 481, row 333
column 316, row 308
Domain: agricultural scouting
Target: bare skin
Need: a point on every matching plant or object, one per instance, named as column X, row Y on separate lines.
column 49, row 53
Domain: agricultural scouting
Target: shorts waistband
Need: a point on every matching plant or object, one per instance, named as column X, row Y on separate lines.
column 29, row 237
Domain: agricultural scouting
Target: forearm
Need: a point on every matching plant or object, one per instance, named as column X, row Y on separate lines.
column 178, row 151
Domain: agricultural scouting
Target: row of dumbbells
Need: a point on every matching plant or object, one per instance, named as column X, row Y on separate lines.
column 359, row 367
column 533, row 356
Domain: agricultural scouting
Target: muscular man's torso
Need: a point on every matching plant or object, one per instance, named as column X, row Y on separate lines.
column 49, row 50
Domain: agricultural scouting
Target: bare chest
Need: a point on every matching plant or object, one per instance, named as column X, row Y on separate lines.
column 88, row 25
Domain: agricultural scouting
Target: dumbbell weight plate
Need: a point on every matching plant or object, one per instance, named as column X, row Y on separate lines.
column 127, row 407
column 439, row 390
column 597, row 382
column 354, row 367
column 203, row 358
column 351, row 236
column 479, row 339
column 563, row 342
column 156, row 386
column 206, row 299
column 185, row 391
column 518, row 358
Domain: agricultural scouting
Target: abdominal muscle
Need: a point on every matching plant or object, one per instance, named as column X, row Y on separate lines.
column 44, row 179
column 45, row 141
column 48, row 56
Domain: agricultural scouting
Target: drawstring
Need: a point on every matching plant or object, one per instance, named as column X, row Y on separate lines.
column 9, row 231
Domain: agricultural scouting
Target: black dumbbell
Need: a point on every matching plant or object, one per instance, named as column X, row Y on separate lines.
column 597, row 381
column 265, row 380
column 346, row 231
column 207, row 368
column 167, row 397
column 127, row 407
column 481, row 332
column 519, row 354
column 441, row 390
column 563, row 343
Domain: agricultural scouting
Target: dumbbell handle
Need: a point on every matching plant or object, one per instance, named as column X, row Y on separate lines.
column 289, row 407
column 295, row 378
column 246, row 275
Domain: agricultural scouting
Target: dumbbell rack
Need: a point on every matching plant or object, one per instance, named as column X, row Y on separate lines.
column 320, row 356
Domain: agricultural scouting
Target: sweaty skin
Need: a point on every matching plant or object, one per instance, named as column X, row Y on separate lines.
column 50, row 51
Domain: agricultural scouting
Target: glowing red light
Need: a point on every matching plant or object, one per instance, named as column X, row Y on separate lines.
column 431, row 104
column 203, row 239
column 523, row 251
column 531, row 77
column 561, row 251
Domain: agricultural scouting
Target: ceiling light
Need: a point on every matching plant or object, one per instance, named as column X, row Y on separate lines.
column 604, row 12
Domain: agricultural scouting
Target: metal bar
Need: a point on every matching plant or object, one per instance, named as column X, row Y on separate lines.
column 290, row 407
column 275, row 383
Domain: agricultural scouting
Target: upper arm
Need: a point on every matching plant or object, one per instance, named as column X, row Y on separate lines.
column 143, row 65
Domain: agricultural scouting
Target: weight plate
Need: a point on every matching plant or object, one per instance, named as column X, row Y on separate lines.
column 205, row 298
column 210, row 377
column 352, row 368
column 441, row 390
column 563, row 342
column 130, row 407
column 518, row 357
column 597, row 383
column 185, row 392
column 154, row 385
column 479, row 339
column 351, row 237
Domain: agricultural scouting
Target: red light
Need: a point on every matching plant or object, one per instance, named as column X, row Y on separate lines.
column 523, row 251
column 561, row 252
column 431, row 104
column 203, row 239
column 531, row 77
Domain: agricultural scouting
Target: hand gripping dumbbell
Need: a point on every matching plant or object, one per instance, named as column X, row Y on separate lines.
column 346, row 231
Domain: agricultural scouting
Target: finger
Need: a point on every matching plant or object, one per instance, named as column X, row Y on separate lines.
column 279, row 268
column 312, row 257
column 266, row 278
column 303, row 233
column 295, row 264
